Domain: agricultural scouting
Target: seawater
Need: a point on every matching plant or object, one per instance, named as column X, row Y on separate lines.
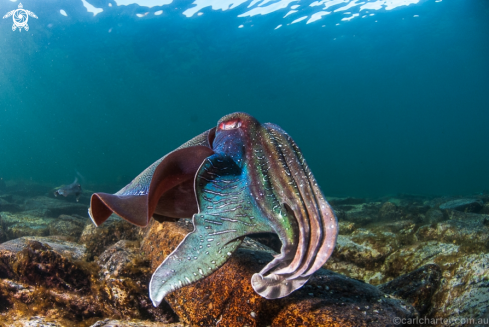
column 381, row 96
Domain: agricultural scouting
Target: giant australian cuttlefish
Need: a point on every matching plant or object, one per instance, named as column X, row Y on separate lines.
column 236, row 179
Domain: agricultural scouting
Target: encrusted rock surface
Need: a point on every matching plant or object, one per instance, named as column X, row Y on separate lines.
column 97, row 239
column 48, row 277
column 51, row 207
column 465, row 205
column 57, row 269
column 226, row 297
column 416, row 287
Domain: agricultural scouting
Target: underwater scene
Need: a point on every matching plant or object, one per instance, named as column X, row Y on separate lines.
column 244, row 163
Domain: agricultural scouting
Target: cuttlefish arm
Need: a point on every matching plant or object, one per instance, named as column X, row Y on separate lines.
column 257, row 181
column 165, row 188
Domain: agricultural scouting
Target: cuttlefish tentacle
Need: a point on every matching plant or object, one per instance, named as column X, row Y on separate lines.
column 226, row 214
column 138, row 200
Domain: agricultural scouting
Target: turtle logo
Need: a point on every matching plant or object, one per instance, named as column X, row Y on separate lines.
column 20, row 17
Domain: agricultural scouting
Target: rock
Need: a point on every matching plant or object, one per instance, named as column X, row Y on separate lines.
column 465, row 205
column 21, row 224
column 434, row 216
column 134, row 323
column 352, row 270
column 402, row 228
column 416, row 287
column 69, row 226
column 97, row 239
column 47, row 305
column 226, row 297
column 342, row 201
column 48, row 263
column 485, row 209
column 125, row 278
column 466, row 216
column 36, row 321
column 365, row 248
column 25, row 224
column 472, row 235
column 412, row 257
column 389, row 212
column 7, row 205
column 346, row 227
column 49, row 279
column 362, row 213
column 464, row 291
column 51, row 207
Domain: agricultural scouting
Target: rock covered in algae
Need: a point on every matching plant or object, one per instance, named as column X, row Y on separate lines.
column 24, row 224
column 227, row 298
column 47, row 263
column 124, row 276
column 21, row 224
column 97, row 239
column 416, row 287
column 50, row 207
column 69, row 226
column 466, row 205
column 48, row 277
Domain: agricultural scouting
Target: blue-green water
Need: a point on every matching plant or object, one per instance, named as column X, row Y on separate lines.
column 382, row 104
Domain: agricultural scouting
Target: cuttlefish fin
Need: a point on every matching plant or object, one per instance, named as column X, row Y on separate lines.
column 226, row 215
column 136, row 205
column 129, row 207
column 138, row 200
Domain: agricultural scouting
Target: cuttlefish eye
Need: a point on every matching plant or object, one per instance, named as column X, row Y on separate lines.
column 230, row 124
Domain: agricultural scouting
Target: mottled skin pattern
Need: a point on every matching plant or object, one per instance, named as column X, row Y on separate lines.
column 254, row 180
column 140, row 184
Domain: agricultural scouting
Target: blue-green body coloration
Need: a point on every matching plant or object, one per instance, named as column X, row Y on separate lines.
column 237, row 179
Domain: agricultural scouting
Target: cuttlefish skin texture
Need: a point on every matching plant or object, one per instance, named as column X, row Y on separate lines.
column 237, row 179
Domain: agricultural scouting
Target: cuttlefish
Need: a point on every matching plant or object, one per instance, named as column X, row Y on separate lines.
column 237, row 179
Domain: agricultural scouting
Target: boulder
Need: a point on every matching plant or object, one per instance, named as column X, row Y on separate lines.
column 7, row 205
column 365, row 248
column 97, row 239
column 36, row 260
column 24, row 224
column 464, row 291
column 124, row 279
column 69, row 226
column 52, row 207
column 434, row 216
column 465, row 205
column 47, row 277
column 412, row 257
column 472, row 235
column 416, row 287
column 389, row 212
column 226, row 297
column 362, row 213
column 346, row 227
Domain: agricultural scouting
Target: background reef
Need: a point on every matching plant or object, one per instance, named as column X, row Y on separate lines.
column 403, row 256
